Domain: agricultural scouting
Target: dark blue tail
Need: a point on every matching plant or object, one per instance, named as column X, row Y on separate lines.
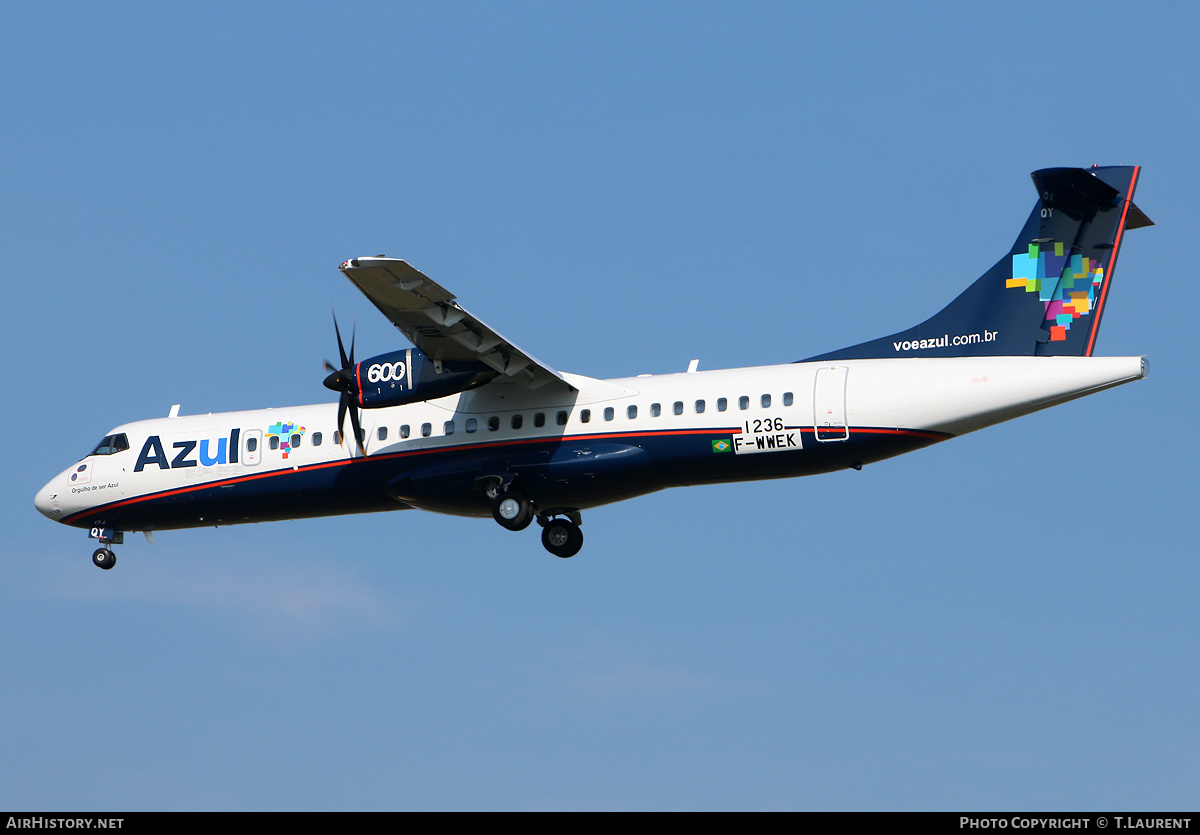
column 1046, row 297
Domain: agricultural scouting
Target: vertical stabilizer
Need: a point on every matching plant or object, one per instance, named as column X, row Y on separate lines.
column 1046, row 297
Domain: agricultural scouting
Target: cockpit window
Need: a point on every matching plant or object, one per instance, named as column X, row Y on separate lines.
column 112, row 444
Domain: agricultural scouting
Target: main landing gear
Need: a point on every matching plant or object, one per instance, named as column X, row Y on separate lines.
column 513, row 510
column 562, row 537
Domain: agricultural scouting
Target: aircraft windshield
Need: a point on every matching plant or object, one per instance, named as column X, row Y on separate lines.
column 112, row 444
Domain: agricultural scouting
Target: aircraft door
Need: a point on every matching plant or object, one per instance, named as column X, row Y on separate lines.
column 829, row 403
column 251, row 447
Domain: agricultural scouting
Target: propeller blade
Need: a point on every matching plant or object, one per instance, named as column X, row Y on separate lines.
column 358, row 433
column 342, row 379
column 341, row 350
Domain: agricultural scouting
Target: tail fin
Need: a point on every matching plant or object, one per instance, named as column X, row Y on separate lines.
column 1046, row 297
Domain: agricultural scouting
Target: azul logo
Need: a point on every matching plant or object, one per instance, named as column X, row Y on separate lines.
column 1067, row 283
column 382, row 372
column 204, row 453
column 286, row 432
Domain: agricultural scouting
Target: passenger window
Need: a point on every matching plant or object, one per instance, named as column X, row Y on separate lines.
column 766, row 401
column 274, row 442
column 631, row 412
column 426, row 430
column 404, row 431
column 517, row 421
column 678, row 407
column 787, row 398
column 655, row 409
column 561, row 418
column 608, row 413
column 743, row 402
column 472, row 424
column 493, row 423
column 585, row 416
column 382, row 432
column 722, row 404
column 252, row 445
column 699, row 407
column 362, row 436
column 539, row 419
column 449, row 427
column 317, row 438
column 295, row 442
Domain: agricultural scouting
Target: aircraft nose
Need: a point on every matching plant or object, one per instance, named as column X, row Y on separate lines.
column 47, row 502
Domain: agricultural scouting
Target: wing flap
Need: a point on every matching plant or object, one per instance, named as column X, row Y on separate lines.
column 430, row 317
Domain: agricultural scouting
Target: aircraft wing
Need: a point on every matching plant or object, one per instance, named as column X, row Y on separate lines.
column 428, row 315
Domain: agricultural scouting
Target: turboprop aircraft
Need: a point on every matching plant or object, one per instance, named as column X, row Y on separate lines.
column 466, row 423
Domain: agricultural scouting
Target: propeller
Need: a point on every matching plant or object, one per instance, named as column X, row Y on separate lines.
column 342, row 380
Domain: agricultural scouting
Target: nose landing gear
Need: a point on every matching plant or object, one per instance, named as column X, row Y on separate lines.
column 103, row 557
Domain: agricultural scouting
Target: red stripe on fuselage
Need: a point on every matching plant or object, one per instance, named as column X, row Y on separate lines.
column 345, row 462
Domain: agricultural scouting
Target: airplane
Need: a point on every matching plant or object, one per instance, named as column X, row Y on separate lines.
column 466, row 423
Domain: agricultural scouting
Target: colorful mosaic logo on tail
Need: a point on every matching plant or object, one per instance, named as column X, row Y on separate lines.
column 1066, row 284
column 285, row 431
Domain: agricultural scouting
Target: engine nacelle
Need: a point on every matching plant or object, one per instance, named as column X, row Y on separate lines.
column 409, row 377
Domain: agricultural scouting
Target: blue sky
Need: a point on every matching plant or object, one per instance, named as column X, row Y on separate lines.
column 1004, row 621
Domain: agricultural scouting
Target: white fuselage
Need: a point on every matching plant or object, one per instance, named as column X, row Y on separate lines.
column 609, row 440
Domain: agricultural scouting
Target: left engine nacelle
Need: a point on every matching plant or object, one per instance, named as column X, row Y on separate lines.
column 410, row 376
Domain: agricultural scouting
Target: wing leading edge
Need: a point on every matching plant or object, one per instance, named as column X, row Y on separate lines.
column 429, row 316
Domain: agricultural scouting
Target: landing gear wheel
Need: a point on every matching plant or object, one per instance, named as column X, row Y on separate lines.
column 562, row 538
column 104, row 558
column 513, row 511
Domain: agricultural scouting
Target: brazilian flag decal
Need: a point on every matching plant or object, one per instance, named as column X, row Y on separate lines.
column 722, row 446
